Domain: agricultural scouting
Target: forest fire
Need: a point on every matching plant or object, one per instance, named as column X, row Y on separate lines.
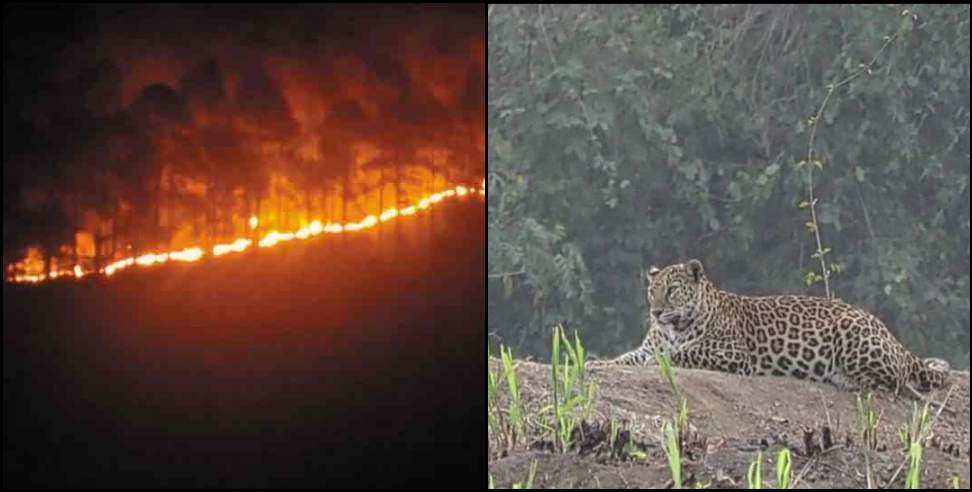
column 271, row 239
column 154, row 152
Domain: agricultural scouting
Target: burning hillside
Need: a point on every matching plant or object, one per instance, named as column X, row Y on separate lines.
column 208, row 137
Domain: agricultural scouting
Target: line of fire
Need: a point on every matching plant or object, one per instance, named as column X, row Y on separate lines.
column 144, row 154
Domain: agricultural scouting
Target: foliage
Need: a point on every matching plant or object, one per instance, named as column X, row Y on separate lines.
column 515, row 411
column 573, row 395
column 755, row 475
column 651, row 134
column 784, row 473
column 673, row 450
column 869, row 420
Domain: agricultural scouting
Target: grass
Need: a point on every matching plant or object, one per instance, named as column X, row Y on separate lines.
column 530, row 477
column 783, row 471
column 573, row 394
column 955, row 483
column 492, row 384
column 673, row 432
column 614, row 432
column 682, row 421
column 515, row 410
column 673, row 450
column 915, row 454
column 868, row 420
column 755, row 475
column 916, row 430
column 914, row 436
column 664, row 360
column 491, row 485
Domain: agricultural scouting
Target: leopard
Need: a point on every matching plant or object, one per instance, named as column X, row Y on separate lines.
column 819, row 339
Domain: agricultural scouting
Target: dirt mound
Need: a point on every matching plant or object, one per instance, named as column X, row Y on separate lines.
column 732, row 418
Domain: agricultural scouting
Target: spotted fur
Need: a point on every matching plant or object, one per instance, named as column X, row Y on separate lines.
column 804, row 337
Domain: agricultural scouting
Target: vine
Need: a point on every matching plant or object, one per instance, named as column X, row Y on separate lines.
column 810, row 162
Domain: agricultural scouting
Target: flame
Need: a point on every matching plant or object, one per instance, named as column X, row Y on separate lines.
column 188, row 254
column 271, row 239
column 236, row 246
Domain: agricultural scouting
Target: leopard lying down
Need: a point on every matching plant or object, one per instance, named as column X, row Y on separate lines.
column 703, row 327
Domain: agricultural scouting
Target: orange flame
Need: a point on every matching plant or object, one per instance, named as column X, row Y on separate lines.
column 269, row 240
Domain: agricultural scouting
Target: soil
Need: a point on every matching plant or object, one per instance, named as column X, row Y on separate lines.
column 732, row 418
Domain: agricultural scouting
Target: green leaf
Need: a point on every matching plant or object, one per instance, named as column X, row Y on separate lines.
column 804, row 204
column 859, row 174
column 772, row 169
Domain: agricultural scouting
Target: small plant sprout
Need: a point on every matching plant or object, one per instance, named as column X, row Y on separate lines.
column 917, row 429
column 915, row 436
column 683, row 416
column 783, row 472
column 614, row 432
column 671, row 444
column 955, row 484
column 573, row 396
column 868, row 419
column 528, row 485
column 492, row 383
column 913, row 480
column 755, row 475
column 665, row 367
column 510, row 371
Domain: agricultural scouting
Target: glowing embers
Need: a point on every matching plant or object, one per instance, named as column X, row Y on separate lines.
column 28, row 279
column 313, row 229
column 151, row 259
column 275, row 237
column 188, row 254
column 271, row 239
column 235, row 247
column 118, row 265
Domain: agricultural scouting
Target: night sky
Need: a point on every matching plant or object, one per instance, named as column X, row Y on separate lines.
column 340, row 361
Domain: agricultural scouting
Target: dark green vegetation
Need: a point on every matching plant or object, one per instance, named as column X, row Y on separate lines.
column 622, row 137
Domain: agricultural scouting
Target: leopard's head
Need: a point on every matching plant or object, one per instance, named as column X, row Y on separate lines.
column 675, row 293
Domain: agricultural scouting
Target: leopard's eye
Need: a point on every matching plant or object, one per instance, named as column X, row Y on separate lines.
column 671, row 289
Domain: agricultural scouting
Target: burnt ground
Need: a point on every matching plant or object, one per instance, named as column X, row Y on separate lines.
column 731, row 419
column 313, row 364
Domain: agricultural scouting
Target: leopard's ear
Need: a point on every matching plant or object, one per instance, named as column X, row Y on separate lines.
column 649, row 275
column 696, row 270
